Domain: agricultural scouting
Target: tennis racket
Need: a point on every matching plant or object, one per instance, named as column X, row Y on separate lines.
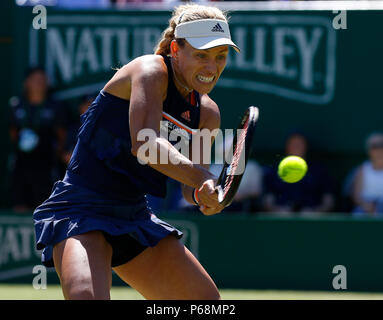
column 231, row 174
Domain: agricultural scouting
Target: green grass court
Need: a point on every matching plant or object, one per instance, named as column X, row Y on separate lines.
column 53, row 292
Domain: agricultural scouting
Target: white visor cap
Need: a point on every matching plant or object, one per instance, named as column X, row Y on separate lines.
column 205, row 34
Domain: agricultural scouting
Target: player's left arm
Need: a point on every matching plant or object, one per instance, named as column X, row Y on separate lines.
column 210, row 119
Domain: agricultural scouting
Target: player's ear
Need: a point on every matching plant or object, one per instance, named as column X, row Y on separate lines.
column 174, row 48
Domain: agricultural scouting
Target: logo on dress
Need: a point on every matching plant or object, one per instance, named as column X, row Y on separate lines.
column 186, row 115
column 217, row 28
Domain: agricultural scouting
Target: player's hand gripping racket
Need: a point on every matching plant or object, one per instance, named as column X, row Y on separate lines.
column 231, row 175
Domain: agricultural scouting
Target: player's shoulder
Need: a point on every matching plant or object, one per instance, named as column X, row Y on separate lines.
column 147, row 71
column 210, row 114
column 150, row 65
column 208, row 102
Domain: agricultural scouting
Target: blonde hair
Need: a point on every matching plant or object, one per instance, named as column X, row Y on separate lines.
column 185, row 13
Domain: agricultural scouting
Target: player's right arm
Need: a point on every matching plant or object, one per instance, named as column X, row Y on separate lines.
column 210, row 119
column 147, row 80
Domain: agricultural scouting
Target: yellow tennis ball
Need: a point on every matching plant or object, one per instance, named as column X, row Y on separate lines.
column 292, row 169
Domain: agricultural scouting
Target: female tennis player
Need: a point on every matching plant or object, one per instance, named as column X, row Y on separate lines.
column 97, row 217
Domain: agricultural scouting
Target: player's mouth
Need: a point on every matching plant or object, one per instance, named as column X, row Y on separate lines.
column 205, row 79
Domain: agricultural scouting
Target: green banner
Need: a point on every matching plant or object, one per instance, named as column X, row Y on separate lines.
column 17, row 251
column 244, row 251
column 283, row 55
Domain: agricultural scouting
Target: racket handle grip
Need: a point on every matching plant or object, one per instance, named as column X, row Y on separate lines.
column 219, row 191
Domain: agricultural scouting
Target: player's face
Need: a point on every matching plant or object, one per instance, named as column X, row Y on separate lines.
column 200, row 69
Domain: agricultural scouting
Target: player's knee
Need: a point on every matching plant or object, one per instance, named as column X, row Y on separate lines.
column 87, row 293
column 78, row 293
column 210, row 294
column 84, row 289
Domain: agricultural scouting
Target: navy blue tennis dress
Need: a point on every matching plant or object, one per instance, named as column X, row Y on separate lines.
column 104, row 186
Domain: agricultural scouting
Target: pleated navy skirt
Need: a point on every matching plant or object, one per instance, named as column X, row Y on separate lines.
column 129, row 226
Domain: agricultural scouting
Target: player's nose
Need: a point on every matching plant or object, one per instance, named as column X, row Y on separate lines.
column 211, row 67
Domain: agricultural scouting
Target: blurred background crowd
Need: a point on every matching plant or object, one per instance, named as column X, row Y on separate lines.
column 43, row 132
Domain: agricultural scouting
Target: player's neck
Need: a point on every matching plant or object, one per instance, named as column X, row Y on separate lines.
column 183, row 89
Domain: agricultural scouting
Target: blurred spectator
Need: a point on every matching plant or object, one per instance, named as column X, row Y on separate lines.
column 347, row 204
column 367, row 182
column 37, row 133
column 246, row 198
column 249, row 190
column 310, row 196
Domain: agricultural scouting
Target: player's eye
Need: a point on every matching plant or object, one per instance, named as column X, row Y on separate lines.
column 202, row 55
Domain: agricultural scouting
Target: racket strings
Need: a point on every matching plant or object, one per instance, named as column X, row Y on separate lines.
column 236, row 157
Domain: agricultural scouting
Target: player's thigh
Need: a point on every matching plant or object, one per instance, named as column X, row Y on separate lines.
column 83, row 264
column 168, row 271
